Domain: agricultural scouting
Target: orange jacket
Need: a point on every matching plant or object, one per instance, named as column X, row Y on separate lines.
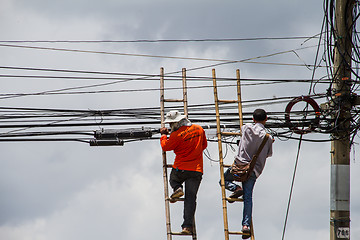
column 188, row 144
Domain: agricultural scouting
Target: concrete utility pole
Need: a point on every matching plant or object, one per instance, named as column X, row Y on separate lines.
column 340, row 148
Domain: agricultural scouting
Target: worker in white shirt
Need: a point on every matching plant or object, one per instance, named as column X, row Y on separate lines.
column 252, row 136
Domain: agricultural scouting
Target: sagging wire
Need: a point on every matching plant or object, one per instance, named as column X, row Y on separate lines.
column 227, row 141
column 301, row 138
column 163, row 40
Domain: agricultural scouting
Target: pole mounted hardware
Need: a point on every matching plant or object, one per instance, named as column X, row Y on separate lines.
column 123, row 134
column 114, row 137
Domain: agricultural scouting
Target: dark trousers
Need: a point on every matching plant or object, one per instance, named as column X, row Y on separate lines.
column 192, row 181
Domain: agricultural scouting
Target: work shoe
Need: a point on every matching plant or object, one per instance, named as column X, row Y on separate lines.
column 246, row 232
column 186, row 231
column 237, row 193
column 177, row 193
column 245, row 229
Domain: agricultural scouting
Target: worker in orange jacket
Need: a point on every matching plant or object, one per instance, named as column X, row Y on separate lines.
column 188, row 141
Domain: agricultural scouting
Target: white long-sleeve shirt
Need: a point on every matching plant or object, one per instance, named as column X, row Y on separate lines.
column 252, row 136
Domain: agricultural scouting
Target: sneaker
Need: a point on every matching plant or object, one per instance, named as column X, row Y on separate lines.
column 236, row 194
column 186, row 231
column 177, row 193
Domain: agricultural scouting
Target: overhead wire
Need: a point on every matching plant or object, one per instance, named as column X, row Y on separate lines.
column 223, row 61
column 301, row 137
column 139, row 77
column 162, row 40
column 146, row 55
column 118, row 81
column 67, row 90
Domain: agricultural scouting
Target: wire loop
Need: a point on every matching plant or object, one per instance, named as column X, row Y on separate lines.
column 314, row 122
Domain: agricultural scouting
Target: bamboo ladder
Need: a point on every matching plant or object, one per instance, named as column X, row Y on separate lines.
column 219, row 137
column 167, row 166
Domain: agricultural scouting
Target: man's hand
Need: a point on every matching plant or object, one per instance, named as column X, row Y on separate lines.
column 164, row 130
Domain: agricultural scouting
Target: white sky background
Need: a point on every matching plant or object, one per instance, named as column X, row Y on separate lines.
column 56, row 191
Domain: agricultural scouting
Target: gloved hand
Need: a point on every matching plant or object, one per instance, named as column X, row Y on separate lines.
column 164, row 130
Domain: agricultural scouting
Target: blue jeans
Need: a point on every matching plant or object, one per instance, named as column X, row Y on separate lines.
column 229, row 181
column 248, row 187
column 192, row 181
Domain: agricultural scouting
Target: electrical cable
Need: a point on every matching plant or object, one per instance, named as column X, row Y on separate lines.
column 300, row 140
column 139, row 115
column 223, row 61
column 67, row 92
column 292, row 187
column 163, row 40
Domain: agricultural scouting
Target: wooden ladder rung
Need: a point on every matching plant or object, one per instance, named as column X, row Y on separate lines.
column 230, row 133
column 221, row 158
column 235, row 199
column 180, row 234
column 165, row 164
column 227, row 101
column 239, row 233
column 173, row 100
column 177, row 199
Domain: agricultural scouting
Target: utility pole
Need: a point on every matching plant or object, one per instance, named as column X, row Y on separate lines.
column 340, row 146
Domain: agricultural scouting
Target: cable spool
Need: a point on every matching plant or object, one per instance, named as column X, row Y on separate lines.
column 314, row 122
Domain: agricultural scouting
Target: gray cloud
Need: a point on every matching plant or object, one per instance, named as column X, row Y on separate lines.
column 71, row 191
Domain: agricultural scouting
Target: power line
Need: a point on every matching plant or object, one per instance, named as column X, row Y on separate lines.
column 148, row 77
column 191, row 78
column 301, row 138
column 224, row 61
column 165, row 40
column 67, row 92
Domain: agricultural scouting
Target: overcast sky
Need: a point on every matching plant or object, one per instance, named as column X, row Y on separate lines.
column 67, row 190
